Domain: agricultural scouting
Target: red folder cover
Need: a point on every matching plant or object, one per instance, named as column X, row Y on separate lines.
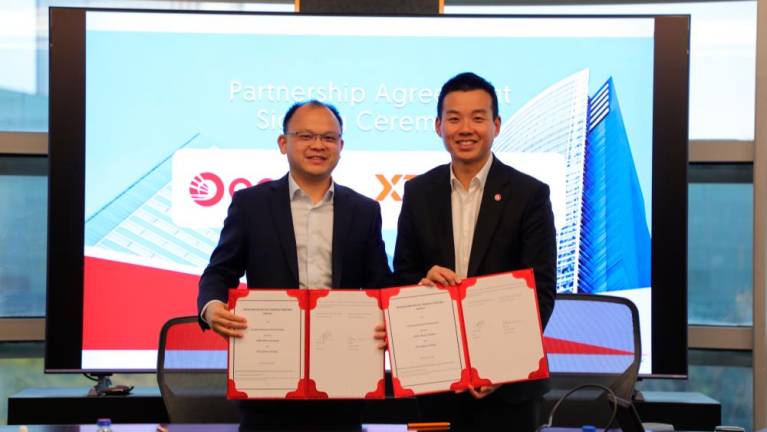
column 487, row 330
column 493, row 334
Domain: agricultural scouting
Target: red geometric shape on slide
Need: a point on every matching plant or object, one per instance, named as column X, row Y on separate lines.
column 191, row 338
column 562, row 346
column 114, row 290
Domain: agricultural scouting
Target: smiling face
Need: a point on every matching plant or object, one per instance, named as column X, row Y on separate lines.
column 309, row 143
column 467, row 127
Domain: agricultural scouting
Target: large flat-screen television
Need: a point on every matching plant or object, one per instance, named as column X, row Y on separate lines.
column 156, row 118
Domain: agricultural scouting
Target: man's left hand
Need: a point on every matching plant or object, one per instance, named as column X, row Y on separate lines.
column 483, row 391
column 379, row 334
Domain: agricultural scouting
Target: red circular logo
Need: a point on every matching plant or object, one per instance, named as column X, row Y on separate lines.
column 237, row 184
column 206, row 189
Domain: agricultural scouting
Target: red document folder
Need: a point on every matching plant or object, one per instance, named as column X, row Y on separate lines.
column 487, row 330
column 318, row 344
column 306, row 344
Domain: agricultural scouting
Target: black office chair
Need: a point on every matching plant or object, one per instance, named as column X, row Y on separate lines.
column 591, row 339
column 191, row 373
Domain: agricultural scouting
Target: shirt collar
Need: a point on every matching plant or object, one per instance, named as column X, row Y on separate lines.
column 480, row 178
column 296, row 192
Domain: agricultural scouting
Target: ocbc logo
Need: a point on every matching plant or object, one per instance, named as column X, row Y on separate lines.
column 207, row 189
column 388, row 186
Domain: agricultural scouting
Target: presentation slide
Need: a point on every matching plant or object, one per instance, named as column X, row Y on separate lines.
column 184, row 109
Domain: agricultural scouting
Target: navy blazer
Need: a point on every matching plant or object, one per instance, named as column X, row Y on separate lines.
column 514, row 230
column 258, row 240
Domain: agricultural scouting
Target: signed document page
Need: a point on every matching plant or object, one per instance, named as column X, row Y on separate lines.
column 503, row 331
column 425, row 341
column 268, row 361
column 344, row 358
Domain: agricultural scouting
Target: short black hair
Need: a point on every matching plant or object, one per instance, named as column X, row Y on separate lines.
column 467, row 81
column 313, row 102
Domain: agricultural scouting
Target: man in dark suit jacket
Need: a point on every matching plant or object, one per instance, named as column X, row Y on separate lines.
column 472, row 217
column 258, row 238
column 302, row 230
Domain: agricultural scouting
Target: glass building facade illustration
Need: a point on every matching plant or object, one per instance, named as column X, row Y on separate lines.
column 604, row 242
column 556, row 121
column 615, row 238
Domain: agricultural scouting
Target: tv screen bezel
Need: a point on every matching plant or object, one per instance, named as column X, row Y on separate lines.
column 64, row 309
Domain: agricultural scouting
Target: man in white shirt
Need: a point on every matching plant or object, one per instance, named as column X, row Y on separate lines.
column 473, row 217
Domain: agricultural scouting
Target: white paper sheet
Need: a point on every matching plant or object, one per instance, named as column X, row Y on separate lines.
column 345, row 360
column 503, row 333
column 424, row 339
column 268, row 361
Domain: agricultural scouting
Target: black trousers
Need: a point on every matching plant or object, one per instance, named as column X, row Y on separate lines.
column 491, row 413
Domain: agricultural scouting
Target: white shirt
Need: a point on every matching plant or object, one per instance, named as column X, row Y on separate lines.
column 313, row 228
column 465, row 205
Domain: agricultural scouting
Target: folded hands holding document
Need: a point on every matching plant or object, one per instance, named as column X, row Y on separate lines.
column 317, row 344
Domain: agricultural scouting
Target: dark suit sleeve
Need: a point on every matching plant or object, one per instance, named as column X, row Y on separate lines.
column 408, row 259
column 378, row 272
column 539, row 249
column 227, row 262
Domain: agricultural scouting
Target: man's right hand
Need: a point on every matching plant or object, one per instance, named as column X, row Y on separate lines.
column 440, row 275
column 224, row 322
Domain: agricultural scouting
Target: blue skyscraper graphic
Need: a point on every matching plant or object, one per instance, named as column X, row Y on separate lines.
column 603, row 243
column 615, row 238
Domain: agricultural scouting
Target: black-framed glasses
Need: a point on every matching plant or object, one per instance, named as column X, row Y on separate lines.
column 307, row 137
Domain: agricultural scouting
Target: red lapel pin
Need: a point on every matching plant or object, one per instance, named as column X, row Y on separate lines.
column 497, row 197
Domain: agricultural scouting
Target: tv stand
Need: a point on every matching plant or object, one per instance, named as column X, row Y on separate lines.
column 104, row 387
column 103, row 382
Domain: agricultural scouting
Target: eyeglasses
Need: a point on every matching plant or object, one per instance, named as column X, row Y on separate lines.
column 307, row 137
